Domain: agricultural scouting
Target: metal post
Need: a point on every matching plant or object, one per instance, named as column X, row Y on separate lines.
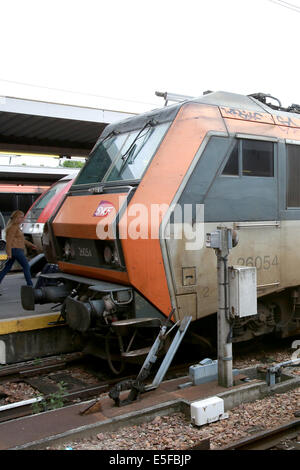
column 221, row 241
column 225, row 378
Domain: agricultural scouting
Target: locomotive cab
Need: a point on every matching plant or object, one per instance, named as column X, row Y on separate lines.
column 129, row 238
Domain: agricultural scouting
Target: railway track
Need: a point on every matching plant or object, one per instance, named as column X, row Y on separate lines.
column 268, row 440
column 285, row 437
column 55, row 385
column 36, row 367
column 61, row 390
column 51, row 401
column 69, row 390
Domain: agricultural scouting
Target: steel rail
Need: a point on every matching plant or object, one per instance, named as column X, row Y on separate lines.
column 267, row 439
column 22, row 409
column 7, row 372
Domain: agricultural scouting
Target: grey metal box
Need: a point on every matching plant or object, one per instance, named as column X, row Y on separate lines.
column 205, row 371
column 242, row 291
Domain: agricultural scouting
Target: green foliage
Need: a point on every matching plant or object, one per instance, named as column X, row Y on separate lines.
column 73, row 164
column 37, row 361
column 52, row 401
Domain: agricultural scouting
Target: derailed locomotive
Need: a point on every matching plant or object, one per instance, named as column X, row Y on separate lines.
column 122, row 266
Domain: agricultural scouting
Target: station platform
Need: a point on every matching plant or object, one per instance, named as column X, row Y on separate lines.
column 10, row 300
column 26, row 335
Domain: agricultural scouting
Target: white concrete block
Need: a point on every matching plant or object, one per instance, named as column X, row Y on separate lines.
column 207, row 411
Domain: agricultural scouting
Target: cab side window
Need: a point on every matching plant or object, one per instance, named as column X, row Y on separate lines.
column 250, row 158
column 293, row 175
column 232, row 165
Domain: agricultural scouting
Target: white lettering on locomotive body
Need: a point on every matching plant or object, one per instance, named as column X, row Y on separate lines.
column 296, row 354
column 104, row 208
column 102, row 211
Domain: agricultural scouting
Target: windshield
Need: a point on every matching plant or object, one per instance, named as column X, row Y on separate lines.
column 43, row 201
column 40, row 205
column 122, row 157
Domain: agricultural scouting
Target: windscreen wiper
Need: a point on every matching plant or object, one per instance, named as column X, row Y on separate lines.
column 110, row 134
column 131, row 149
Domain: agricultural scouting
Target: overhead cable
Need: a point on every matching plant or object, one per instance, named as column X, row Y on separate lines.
column 288, row 5
column 74, row 92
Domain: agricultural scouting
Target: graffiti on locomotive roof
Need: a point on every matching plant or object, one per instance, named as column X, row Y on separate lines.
column 236, row 113
column 287, row 121
column 103, row 209
column 281, row 120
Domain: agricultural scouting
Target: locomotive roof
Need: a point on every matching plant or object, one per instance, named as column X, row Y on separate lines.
column 219, row 98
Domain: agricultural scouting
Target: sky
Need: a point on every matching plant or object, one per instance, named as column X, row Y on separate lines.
column 116, row 54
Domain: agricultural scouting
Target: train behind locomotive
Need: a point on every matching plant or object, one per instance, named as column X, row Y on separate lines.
column 233, row 159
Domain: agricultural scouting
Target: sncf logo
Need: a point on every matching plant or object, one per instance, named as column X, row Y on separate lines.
column 104, row 208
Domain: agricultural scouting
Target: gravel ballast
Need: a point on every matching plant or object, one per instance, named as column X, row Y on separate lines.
column 177, row 433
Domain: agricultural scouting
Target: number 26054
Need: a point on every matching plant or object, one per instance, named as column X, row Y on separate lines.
column 260, row 262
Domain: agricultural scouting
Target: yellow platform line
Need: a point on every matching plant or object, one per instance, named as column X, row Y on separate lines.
column 36, row 322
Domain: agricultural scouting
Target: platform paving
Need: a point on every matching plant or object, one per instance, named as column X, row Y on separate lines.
column 10, row 300
column 26, row 335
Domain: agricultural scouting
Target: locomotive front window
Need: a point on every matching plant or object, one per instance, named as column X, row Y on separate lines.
column 122, row 157
column 48, row 195
column 100, row 159
column 137, row 153
column 38, row 208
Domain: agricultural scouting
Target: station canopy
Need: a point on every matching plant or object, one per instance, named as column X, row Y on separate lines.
column 50, row 128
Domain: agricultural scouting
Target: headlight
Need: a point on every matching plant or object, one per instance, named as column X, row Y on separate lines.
column 68, row 251
column 108, row 254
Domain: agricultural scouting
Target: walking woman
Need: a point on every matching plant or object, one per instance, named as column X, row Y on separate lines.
column 15, row 246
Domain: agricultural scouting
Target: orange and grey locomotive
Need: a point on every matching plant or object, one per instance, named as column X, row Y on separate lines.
column 122, row 267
